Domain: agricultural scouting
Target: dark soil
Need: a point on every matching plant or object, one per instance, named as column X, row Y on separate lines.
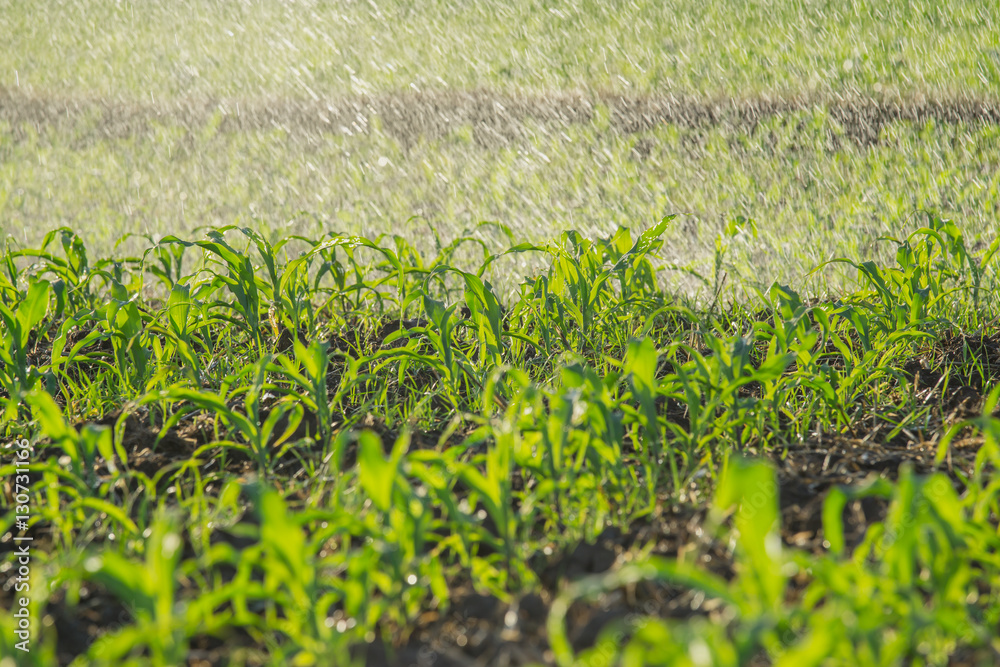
column 496, row 119
column 480, row 629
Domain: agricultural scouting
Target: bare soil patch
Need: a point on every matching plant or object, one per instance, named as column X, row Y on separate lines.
column 496, row 119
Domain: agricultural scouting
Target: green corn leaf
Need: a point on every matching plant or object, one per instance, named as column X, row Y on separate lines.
column 281, row 534
column 751, row 487
column 991, row 253
column 643, row 245
column 773, row 367
column 641, row 361
column 49, row 416
column 488, row 489
column 377, row 473
column 178, row 309
column 113, row 511
column 836, row 501
column 31, row 311
column 125, row 579
column 485, row 307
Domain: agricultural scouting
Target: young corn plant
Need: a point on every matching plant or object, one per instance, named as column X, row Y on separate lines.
column 239, row 278
column 641, row 363
column 754, row 596
column 710, row 386
column 308, row 372
column 81, row 447
column 402, row 524
column 129, row 340
column 149, row 590
column 932, row 264
column 72, row 272
column 798, row 333
column 488, row 477
column 17, row 375
column 168, row 266
column 283, row 572
column 601, row 432
column 923, row 551
column 257, row 426
column 576, row 298
column 486, row 315
column 179, row 320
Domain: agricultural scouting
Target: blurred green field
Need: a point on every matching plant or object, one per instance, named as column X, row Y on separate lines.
column 163, row 50
column 389, row 117
column 813, row 182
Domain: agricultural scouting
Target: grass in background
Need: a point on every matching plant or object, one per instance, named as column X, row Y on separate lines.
column 310, row 117
column 158, row 51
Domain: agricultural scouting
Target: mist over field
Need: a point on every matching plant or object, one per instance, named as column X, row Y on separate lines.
column 828, row 125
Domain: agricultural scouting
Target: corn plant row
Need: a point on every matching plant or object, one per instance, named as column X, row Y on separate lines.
column 364, row 429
